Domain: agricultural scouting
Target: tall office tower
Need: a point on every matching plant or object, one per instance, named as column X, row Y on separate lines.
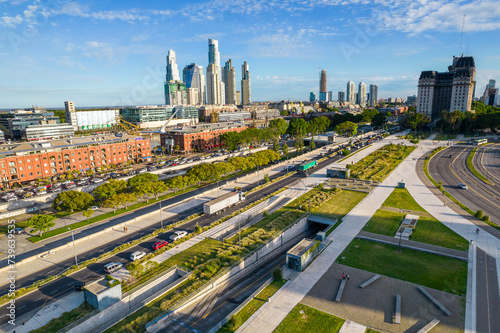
column 451, row 90
column 172, row 70
column 192, row 96
column 214, row 74
column 330, row 96
column 238, row 96
column 490, row 96
column 222, row 93
column 350, row 92
column 193, row 76
column 175, row 93
column 213, row 85
column 70, row 114
column 362, row 94
column 341, row 96
column 373, row 95
column 229, row 78
column 322, row 87
column 246, row 94
column 312, row 97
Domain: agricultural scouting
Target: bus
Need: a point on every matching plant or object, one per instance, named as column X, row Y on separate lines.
column 307, row 165
column 478, row 142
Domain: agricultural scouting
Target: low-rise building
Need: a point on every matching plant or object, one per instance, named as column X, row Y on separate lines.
column 198, row 137
column 47, row 132
column 27, row 161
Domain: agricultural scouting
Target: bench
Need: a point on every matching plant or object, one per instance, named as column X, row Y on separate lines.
column 397, row 315
column 429, row 326
column 435, row 301
column 341, row 290
column 370, row 281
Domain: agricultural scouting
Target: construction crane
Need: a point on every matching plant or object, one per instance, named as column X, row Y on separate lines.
column 128, row 127
column 162, row 129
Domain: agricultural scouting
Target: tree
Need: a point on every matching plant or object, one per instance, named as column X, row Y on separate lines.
column 141, row 179
column 279, row 125
column 454, row 117
column 231, row 140
column 112, row 202
column 126, row 199
column 283, row 113
column 157, row 188
column 41, row 223
column 276, row 146
column 72, row 200
column 285, row 149
column 266, row 178
column 112, row 187
column 379, row 120
column 298, row 127
column 368, row 114
column 88, row 213
column 346, row 128
column 143, row 190
column 415, row 120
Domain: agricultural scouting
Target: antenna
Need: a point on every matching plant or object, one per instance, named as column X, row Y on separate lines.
column 462, row 35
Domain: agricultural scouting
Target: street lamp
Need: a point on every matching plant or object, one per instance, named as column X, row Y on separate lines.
column 161, row 218
column 74, row 248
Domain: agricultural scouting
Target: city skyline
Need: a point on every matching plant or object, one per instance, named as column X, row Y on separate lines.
column 105, row 54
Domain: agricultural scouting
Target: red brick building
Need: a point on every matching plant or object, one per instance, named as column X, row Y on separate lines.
column 24, row 162
column 198, row 137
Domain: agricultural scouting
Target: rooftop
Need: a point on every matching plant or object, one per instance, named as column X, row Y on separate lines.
column 98, row 287
column 302, row 247
column 205, row 127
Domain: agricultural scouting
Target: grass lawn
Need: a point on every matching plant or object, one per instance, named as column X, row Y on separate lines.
column 439, row 137
column 66, row 318
column 384, row 222
column 470, row 165
column 433, row 271
column 379, row 164
column 309, row 321
column 401, row 198
column 431, row 231
column 369, row 330
column 340, row 204
column 248, row 310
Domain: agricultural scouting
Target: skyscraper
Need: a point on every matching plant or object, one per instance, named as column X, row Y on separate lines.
column 351, row 93
column 451, row 90
column 246, row 97
column 214, row 74
column 490, row 96
column 172, row 70
column 362, row 94
column 312, row 97
column 229, row 78
column 330, row 96
column 322, row 87
column 341, row 96
column 194, row 78
column 373, row 95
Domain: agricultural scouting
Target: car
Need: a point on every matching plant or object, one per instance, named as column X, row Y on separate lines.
column 159, row 245
column 143, row 170
column 94, row 208
column 112, row 267
column 79, row 285
column 463, row 186
column 151, row 168
column 18, row 231
column 178, row 235
column 137, row 255
column 96, row 180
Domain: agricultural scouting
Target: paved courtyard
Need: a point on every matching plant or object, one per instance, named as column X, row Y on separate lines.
column 374, row 305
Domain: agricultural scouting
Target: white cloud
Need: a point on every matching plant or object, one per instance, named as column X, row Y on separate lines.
column 138, row 38
column 203, row 37
column 9, row 21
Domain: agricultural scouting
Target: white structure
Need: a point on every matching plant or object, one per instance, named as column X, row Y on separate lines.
column 373, row 95
column 214, row 79
column 69, row 106
column 362, row 94
column 172, row 70
column 246, row 95
column 192, row 96
column 351, row 92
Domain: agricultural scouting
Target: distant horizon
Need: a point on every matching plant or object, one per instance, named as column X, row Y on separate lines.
column 115, row 53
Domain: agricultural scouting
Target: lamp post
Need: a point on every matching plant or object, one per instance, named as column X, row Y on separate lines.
column 74, row 248
column 161, row 218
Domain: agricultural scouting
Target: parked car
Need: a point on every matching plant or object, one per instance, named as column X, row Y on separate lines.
column 143, row 170
column 94, row 208
column 178, row 235
column 96, row 180
column 18, row 231
column 137, row 255
column 79, row 285
column 159, row 245
column 152, row 168
column 463, row 186
column 112, row 267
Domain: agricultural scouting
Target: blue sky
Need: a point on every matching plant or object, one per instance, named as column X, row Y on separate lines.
column 113, row 52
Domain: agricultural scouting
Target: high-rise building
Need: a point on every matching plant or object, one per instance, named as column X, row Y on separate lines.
column 451, row 90
column 229, row 79
column 246, row 97
column 351, row 93
column 238, row 96
column 490, row 96
column 192, row 96
column 373, row 95
column 175, row 93
column 193, row 77
column 172, row 70
column 330, row 96
column 214, row 79
column 341, row 96
column 312, row 97
column 361, row 94
column 322, row 87
column 70, row 113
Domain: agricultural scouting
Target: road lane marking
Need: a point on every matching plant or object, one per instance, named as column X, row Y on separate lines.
column 69, row 284
column 38, row 299
column 53, row 291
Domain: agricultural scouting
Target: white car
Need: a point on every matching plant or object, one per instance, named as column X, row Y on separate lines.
column 94, row 207
column 178, row 235
column 463, row 186
column 137, row 255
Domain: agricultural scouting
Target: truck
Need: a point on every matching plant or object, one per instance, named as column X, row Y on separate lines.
column 221, row 203
column 307, row 165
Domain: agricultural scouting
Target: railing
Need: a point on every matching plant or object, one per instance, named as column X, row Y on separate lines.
column 79, row 321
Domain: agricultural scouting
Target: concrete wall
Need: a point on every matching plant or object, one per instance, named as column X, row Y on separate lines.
column 132, row 302
column 104, row 299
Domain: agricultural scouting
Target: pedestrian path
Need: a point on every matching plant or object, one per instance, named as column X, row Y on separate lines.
column 352, row 327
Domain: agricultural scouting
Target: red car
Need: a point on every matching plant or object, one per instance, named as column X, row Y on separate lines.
column 175, row 164
column 159, row 245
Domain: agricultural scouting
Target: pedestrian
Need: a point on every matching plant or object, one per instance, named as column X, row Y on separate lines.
column 126, row 229
column 348, row 277
column 444, row 203
column 477, row 231
column 343, row 276
column 123, row 228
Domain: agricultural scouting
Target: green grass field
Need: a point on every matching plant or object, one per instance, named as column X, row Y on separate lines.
column 431, row 231
column 309, row 321
column 369, row 330
column 248, row 310
column 340, row 204
column 384, row 223
column 66, row 318
column 379, row 164
column 433, row 271
column 401, row 198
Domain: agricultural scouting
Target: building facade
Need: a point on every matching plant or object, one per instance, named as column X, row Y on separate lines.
column 312, row 97
column 214, row 79
column 451, row 90
column 16, row 122
column 246, row 95
column 199, row 137
column 490, row 96
column 351, row 92
column 175, row 93
column 341, row 96
column 47, row 132
column 25, row 162
column 92, row 119
column 323, row 97
column 361, row 101
column 147, row 113
column 372, row 102
column 229, row 79
column 193, row 77
column 172, row 70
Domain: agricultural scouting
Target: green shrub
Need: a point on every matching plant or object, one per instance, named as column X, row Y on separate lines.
column 346, row 152
column 266, row 213
column 486, row 218
column 479, row 214
column 278, row 274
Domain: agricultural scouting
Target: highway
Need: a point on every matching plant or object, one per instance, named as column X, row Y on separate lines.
column 33, row 301
column 453, row 170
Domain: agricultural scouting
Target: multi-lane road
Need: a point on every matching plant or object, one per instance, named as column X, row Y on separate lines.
column 450, row 167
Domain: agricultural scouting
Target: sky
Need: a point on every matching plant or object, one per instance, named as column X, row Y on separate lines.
column 112, row 53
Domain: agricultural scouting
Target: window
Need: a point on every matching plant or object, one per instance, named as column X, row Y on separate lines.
column 44, row 164
column 12, row 164
column 28, row 160
column 21, row 168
